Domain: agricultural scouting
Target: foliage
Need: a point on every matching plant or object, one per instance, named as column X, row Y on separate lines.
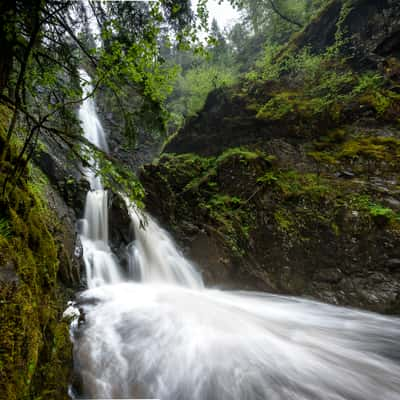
column 192, row 88
column 277, row 19
column 292, row 184
column 263, row 23
column 115, row 176
column 242, row 153
column 40, row 80
column 372, row 147
column 318, row 85
column 364, row 203
column 199, row 75
column 5, row 230
column 189, row 176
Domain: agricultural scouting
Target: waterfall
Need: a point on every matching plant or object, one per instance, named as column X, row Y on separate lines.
column 155, row 257
column 100, row 264
column 157, row 332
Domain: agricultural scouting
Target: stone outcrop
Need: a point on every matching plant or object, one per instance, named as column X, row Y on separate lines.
column 300, row 202
column 251, row 225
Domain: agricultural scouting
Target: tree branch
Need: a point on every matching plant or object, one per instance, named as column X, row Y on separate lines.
column 284, row 17
column 21, row 75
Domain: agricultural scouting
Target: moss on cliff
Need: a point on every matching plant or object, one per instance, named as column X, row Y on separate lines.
column 284, row 229
column 35, row 355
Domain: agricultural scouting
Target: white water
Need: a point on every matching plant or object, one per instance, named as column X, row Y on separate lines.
column 156, row 259
column 168, row 337
column 101, row 265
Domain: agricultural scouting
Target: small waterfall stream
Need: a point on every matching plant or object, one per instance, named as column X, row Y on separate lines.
column 101, row 265
column 161, row 334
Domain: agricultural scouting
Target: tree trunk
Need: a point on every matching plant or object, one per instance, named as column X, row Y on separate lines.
column 7, row 37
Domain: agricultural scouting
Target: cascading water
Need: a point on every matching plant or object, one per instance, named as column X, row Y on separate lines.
column 166, row 336
column 156, row 258
column 100, row 263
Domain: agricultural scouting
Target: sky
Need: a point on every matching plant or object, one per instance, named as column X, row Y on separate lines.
column 224, row 13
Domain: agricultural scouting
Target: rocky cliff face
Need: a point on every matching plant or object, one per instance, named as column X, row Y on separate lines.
column 370, row 34
column 146, row 146
column 371, row 29
column 272, row 188
column 249, row 223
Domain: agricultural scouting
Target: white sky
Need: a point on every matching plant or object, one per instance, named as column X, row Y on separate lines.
column 224, row 13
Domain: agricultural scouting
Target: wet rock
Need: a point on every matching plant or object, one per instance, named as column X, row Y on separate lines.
column 66, row 178
column 346, row 174
column 334, row 253
column 69, row 271
column 392, row 203
column 8, row 274
column 146, row 146
column 120, row 227
column 393, row 264
column 332, row 275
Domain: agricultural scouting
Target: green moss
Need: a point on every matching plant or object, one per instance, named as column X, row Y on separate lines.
column 31, row 304
column 371, row 208
column 373, row 148
column 385, row 102
column 280, row 106
column 233, row 217
column 304, row 87
column 284, row 220
column 335, row 228
column 191, row 179
column 362, row 152
column 242, row 153
column 323, row 157
column 291, row 184
column 337, row 135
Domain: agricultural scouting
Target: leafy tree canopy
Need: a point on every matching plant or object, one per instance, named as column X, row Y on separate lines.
column 44, row 42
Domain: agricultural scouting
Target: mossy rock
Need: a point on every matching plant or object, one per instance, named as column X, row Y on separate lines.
column 36, row 353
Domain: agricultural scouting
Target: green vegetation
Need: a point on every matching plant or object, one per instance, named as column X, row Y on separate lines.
column 255, row 38
column 360, row 152
column 193, row 181
column 5, row 230
column 192, row 88
column 227, row 192
column 297, row 200
column 200, row 74
column 45, row 44
column 244, row 155
column 35, row 357
column 292, row 184
column 375, row 210
column 319, row 86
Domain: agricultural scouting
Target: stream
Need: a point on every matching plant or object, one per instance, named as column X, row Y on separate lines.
column 155, row 331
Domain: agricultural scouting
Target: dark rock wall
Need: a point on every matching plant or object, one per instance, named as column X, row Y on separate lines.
column 132, row 153
column 251, row 225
